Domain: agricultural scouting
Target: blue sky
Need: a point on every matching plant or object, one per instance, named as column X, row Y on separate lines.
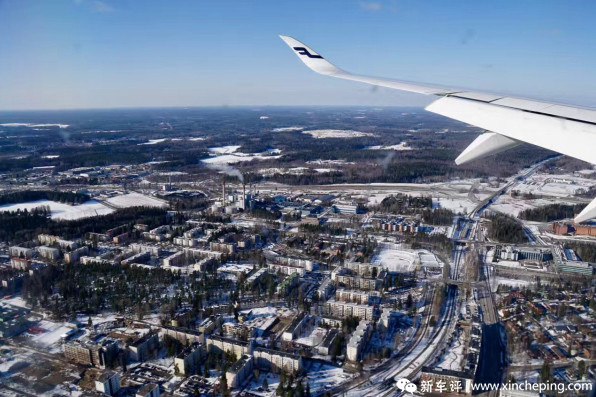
column 120, row 53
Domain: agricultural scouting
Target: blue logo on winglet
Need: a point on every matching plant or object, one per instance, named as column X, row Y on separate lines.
column 304, row 51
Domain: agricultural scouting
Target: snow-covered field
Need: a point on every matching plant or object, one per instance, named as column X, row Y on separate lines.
column 496, row 281
column 321, row 134
column 223, row 155
column 224, row 149
column 293, row 171
column 556, row 185
column 395, row 259
column 61, row 211
column 52, row 335
column 329, row 162
column 154, row 141
column 428, row 259
column 400, row 146
column 457, row 205
column 513, row 206
column 135, row 200
column 16, row 300
column 288, row 129
column 324, row 377
column 31, row 125
column 235, row 268
column 519, row 265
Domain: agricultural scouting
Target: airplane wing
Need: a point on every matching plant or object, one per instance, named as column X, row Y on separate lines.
column 509, row 121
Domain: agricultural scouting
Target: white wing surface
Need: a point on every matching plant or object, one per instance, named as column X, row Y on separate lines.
column 509, row 121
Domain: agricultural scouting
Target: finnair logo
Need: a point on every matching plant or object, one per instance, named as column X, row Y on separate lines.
column 304, row 51
column 405, row 385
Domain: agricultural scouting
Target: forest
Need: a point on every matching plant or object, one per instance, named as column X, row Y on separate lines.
column 506, row 229
column 24, row 196
column 403, row 204
column 21, row 226
column 551, row 212
column 438, row 216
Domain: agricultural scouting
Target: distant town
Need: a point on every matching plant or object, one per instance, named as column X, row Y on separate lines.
column 287, row 252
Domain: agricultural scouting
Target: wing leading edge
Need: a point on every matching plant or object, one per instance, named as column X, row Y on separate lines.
column 509, row 121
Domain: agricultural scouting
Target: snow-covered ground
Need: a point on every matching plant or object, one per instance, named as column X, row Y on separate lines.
column 399, row 147
column 457, row 205
column 322, row 134
column 15, row 300
column 294, row 171
column 154, row 141
column 513, row 206
column 324, row 377
column 555, row 185
column 454, row 354
column 256, row 385
column 235, row 267
column 223, row 155
column 329, row 162
column 288, row 129
column 429, row 259
column 31, row 125
column 61, row 211
column 52, row 335
column 135, row 200
column 224, row 149
column 517, row 283
column 396, row 259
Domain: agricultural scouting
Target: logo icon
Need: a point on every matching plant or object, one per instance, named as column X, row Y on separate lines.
column 404, row 384
column 304, row 51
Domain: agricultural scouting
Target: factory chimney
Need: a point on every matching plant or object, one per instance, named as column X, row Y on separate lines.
column 223, row 193
column 243, row 196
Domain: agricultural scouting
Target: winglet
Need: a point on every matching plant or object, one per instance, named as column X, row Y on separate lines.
column 311, row 58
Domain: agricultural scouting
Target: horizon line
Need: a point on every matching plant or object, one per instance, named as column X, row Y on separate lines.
column 256, row 107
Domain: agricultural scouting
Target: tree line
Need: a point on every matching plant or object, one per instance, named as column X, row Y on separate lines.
column 24, row 196
column 551, row 212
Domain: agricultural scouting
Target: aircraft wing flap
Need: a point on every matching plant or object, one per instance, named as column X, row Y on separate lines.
column 573, row 113
column 522, row 104
column 570, row 137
